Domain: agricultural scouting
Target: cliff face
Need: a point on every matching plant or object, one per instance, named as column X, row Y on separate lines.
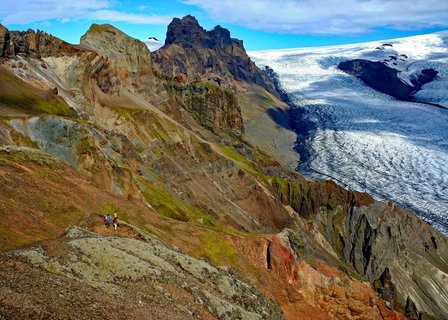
column 216, row 108
column 4, row 42
column 169, row 155
column 196, row 54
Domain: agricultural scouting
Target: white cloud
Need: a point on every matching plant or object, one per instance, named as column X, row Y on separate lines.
column 32, row 11
column 331, row 17
column 118, row 16
column 29, row 11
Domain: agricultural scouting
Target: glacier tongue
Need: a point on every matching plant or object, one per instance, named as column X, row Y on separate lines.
column 366, row 140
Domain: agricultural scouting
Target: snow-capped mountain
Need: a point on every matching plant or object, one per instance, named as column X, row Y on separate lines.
column 153, row 44
column 367, row 140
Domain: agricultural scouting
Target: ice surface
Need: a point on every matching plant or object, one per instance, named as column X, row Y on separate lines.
column 366, row 140
column 153, row 44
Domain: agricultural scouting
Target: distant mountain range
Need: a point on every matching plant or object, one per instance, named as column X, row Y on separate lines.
column 153, row 43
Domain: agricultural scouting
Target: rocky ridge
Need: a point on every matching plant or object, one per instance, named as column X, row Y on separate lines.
column 34, row 44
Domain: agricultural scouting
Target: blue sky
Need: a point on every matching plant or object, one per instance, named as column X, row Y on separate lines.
column 262, row 24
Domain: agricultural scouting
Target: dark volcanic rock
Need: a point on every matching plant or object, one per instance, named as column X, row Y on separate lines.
column 411, row 311
column 385, row 79
column 386, row 289
column 378, row 76
column 204, row 65
column 188, row 33
column 426, row 76
column 194, row 53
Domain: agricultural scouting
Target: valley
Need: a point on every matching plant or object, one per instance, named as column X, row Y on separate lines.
column 184, row 145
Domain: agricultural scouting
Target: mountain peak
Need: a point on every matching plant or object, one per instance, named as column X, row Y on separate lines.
column 107, row 38
column 185, row 31
column 125, row 51
column 190, row 18
column 188, row 33
column 187, row 20
column 98, row 28
column 202, row 54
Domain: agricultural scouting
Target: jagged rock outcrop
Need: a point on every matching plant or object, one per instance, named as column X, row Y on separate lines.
column 411, row 311
column 386, row 288
column 34, row 44
column 197, row 54
column 76, row 67
column 385, row 79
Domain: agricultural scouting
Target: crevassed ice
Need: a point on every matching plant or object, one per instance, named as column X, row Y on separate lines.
column 366, row 140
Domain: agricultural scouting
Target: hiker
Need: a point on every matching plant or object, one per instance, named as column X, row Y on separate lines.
column 107, row 220
column 115, row 221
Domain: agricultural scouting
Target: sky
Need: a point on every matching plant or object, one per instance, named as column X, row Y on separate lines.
column 261, row 24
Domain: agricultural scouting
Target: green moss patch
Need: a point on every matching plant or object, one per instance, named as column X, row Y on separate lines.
column 22, row 140
column 14, row 155
column 240, row 160
column 218, row 251
column 97, row 28
column 18, row 96
column 168, row 205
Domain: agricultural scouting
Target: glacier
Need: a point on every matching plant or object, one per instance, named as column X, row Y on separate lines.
column 366, row 140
